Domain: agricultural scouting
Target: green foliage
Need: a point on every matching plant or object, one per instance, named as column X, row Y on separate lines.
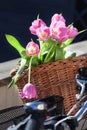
column 16, row 44
column 50, row 51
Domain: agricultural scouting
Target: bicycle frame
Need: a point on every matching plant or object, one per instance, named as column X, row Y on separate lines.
column 78, row 116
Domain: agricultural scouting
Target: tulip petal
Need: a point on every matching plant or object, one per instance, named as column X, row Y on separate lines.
column 29, row 91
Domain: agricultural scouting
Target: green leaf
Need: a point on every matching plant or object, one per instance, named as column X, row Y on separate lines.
column 45, row 46
column 66, row 43
column 38, row 16
column 15, row 43
column 11, row 83
column 82, row 31
column 60, row 53
column 47, row 50
column 35, row 61
column 20, row 70
column 50, row 55
column 23, row 55
column 71, row 55
column 42, row 56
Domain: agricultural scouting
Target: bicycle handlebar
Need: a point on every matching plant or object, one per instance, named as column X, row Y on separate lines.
column 37, row 120
column 37, row 112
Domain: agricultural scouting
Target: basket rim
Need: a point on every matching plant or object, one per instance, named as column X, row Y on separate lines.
column 13, row 71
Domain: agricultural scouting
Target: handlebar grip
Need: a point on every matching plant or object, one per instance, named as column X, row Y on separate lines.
column 34, row 123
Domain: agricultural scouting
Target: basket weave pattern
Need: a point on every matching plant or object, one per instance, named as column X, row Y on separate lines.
column 55, row 78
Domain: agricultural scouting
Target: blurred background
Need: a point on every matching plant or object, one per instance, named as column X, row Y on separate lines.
column 16, row 17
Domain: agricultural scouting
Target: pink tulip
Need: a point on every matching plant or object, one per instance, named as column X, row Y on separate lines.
column 32, row 49
column 72, row 32
column 63, row 35
column 57, row 18
column 29, row 91
column 35, row 25
column 56, row 25
column 43, row 33
column 59, row 31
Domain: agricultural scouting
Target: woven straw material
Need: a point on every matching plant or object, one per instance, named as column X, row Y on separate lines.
column 55, row 78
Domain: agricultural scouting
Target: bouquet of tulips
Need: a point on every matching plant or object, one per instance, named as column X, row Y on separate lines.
column 53, row 41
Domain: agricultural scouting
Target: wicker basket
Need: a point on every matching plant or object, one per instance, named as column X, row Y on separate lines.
column 55, row 78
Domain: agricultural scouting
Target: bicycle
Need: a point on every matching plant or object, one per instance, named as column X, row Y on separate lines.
column 34, row 121
column 38, row 117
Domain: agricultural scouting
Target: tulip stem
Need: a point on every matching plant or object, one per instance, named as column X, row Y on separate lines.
column 29, row 70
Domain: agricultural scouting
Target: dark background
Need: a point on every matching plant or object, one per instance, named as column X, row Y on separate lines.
column 16, row 17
